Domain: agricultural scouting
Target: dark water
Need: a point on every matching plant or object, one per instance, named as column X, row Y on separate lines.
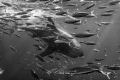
column 22, row 60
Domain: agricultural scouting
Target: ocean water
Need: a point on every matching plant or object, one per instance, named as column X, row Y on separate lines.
column 20, row 50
